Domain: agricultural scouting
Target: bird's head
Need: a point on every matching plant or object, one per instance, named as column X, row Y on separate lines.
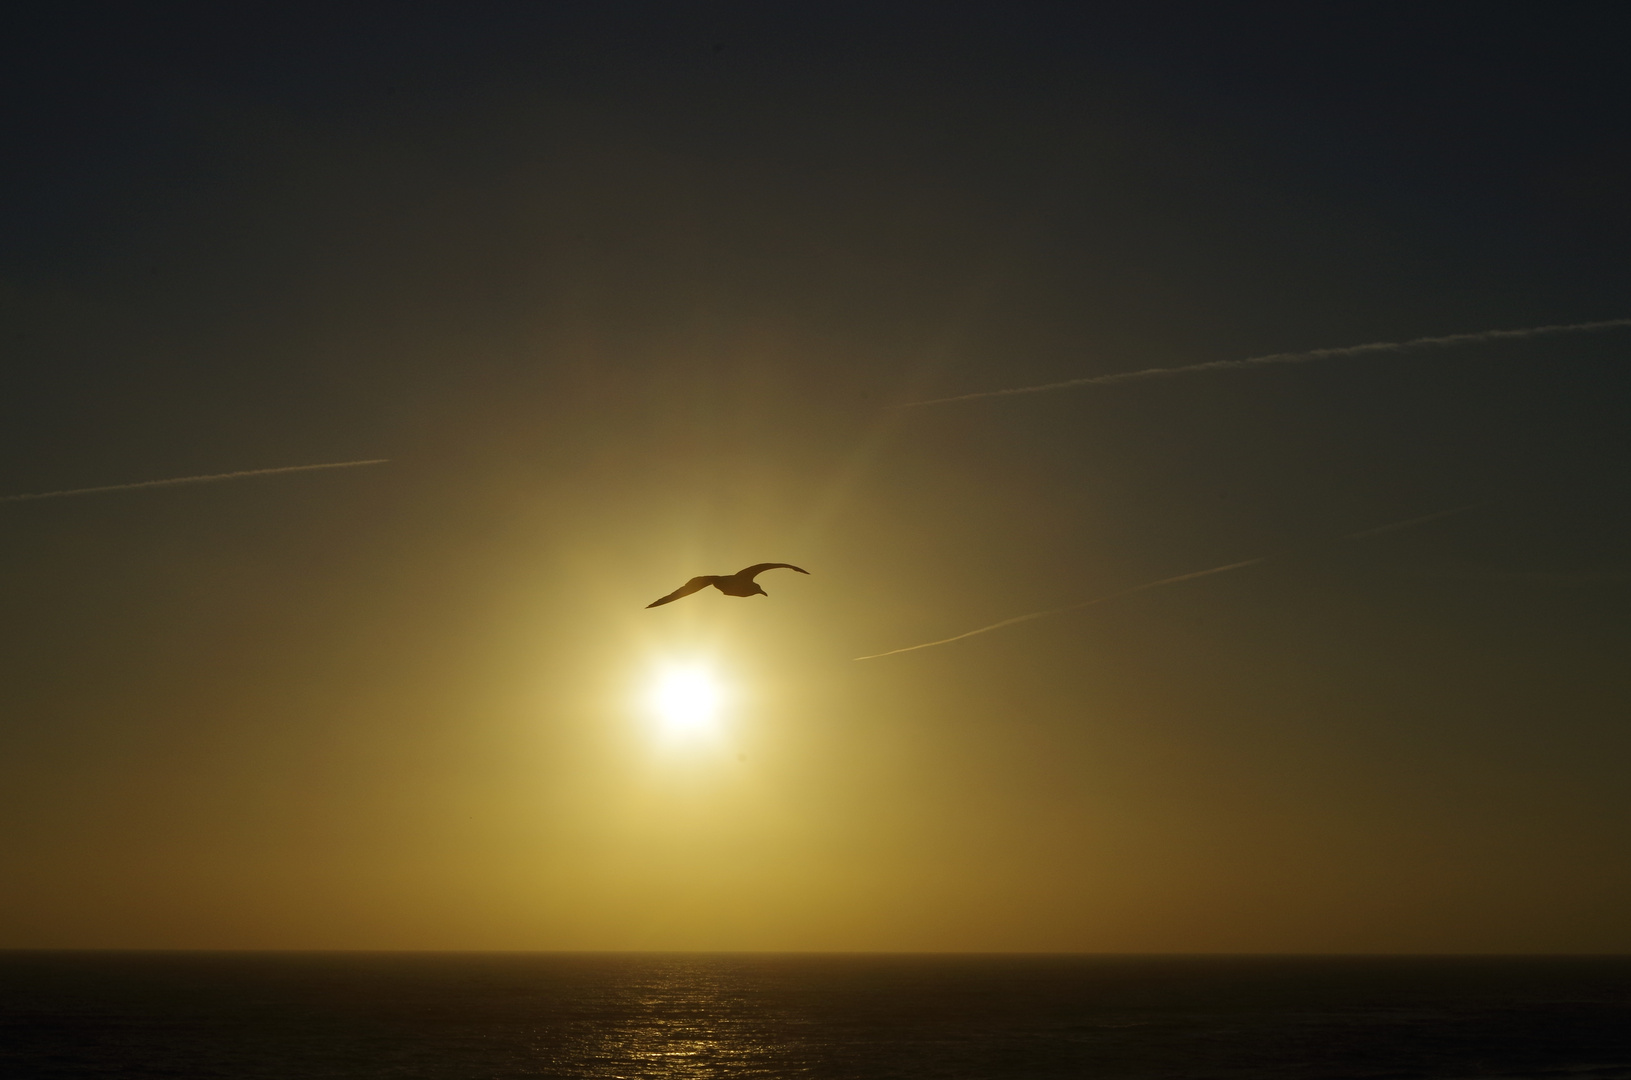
column 758, row 590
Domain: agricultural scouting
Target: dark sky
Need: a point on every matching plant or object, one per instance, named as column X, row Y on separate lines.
column 628, row 293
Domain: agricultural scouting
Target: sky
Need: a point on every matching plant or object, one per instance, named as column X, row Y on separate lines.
column 589, row 300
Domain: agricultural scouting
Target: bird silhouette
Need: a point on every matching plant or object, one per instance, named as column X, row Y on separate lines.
column 740, row 583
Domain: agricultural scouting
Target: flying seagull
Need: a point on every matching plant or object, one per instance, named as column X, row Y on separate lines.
column 740, row 583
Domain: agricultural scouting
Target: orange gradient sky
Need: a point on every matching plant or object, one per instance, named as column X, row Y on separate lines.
column 621, row 307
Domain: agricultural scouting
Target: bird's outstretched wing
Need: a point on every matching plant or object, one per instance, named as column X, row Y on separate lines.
column 685, row 590
column 756, row 569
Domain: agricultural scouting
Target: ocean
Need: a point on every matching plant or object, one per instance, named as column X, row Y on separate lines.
column 467, row 1016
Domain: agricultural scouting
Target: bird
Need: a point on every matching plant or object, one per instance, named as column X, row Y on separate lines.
column 740, row 583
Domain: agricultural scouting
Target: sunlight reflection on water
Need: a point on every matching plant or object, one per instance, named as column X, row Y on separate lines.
column 599, row 1017
column 682, row 1020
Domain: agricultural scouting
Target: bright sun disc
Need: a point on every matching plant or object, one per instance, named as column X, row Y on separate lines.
column 687, row 700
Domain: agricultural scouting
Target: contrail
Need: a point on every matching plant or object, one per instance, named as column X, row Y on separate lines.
column 1071, row 607
column 1412, row 522
column 1444, row 341
column 1377, row 531
column 179, row 480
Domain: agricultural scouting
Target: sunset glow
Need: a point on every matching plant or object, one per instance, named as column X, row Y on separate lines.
column 686, row 701
column 1049, row 478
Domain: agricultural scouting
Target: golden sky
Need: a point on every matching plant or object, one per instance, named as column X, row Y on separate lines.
column 621, row 307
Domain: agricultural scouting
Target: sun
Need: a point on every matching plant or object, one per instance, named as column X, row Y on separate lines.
column 687, row 700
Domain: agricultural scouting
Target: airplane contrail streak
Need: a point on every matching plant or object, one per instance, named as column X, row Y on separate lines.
column 1071, row 607
column 179, row 480
column 1412, row 522
column 1377, row 531
column 1443, row 341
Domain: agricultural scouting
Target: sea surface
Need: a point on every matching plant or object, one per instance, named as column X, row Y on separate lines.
column 293, row 1016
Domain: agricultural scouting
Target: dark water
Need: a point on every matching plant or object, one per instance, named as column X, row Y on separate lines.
column 470, row 1016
